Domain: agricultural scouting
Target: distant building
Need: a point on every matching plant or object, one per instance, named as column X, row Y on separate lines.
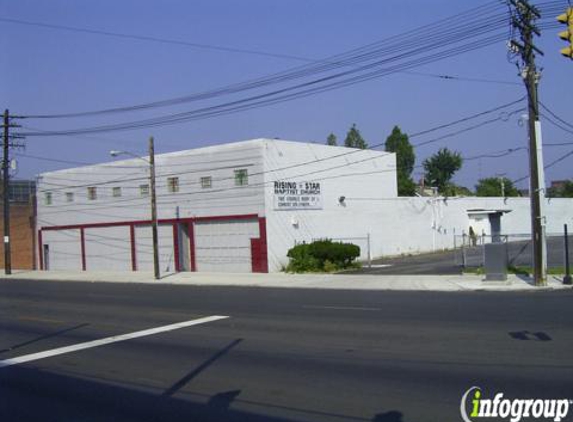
column 22, row 200
column 22, row 191
column 558, row 184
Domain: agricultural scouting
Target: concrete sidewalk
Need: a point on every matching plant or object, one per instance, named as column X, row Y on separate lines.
column 440, row 283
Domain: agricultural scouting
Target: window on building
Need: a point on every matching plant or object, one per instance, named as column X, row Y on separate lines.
column 206, row 182
column 144, row 190
column 48, row 198
column 241, row 177
column 92, row 193
column 69, row 197
column 173, row 184
column 116, row 192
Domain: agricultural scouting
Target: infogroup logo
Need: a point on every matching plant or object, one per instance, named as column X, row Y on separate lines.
column 513, row 409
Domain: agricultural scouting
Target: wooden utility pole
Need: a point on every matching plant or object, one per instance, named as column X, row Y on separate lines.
column 153, row 209
column 523, row 20
column 6, row 193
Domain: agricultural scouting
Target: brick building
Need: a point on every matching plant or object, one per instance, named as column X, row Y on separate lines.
column 22, row 225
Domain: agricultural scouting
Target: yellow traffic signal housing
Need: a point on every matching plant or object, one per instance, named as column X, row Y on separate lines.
column 567, row 35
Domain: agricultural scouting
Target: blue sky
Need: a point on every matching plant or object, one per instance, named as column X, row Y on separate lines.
column 47, row 71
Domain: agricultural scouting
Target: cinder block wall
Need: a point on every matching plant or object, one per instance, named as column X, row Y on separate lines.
column 22, row 236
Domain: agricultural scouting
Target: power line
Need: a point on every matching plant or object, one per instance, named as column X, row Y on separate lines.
column 555, row 115
column 557, row 125
column 436, row 38
column 354, row 151
column 227, row 49
column 180, row 200
column 570, row 153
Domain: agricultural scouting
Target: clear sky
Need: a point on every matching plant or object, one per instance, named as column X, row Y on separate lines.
column 48, row 71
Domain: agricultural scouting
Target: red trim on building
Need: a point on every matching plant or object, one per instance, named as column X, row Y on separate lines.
column 148, row 222
column 228, row 217
column 176, row 247
column 40, row 251
column 256, row 264
column 260, row 246
column 133, row 250
column 191, row 231
column 95, row 225
column 83, row 248
column 263, row 251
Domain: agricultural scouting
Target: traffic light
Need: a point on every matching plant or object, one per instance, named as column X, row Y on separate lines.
column 567, row 35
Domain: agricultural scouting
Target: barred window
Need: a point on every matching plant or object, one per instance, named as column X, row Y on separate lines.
column 241, row 177
column 173, row 184
column 206, row 182
column 116, row 192
column 92, row 193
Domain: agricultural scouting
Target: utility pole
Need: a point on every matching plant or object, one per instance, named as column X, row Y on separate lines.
column 6, row 193
column 523, row 20
column 6, row 145
column 153, row 209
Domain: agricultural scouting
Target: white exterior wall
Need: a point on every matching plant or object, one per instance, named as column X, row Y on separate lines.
column 144, row 248
column 340, row 172
column 225, row 244
column 108, row 248
column 64, row 248
column 219, row 162
column 411, row 225
column 113, row 251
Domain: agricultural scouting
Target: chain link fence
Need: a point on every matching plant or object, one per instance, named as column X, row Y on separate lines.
column 469, row 250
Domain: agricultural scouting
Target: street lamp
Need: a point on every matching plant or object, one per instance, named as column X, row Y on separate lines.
column 151, row 162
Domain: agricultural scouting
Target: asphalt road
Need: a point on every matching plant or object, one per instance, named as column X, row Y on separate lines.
column 519, row 253
column 282, row 355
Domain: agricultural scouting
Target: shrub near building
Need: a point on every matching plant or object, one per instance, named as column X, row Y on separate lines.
column 322, row 256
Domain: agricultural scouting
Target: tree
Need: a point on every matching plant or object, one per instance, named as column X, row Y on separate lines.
column 354, row 139
column 461, row 190
column 405, row 158
column 331, row 140
column 564, row 190
column 492, row 186
column 440, row 169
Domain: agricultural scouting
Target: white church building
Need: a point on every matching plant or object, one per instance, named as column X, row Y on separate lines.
column 240, row 207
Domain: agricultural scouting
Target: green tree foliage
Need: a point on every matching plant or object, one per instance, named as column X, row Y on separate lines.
column 354, row 139
column 565, row 191
column 461, row 190
column 491, row 186
column 331, row 140
column 440, row 168
column 405, row 158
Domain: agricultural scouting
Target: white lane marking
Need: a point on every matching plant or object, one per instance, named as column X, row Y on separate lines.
column 342, row 308
column 107, row 340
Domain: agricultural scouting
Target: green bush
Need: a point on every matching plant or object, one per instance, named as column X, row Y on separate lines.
column 322, row 256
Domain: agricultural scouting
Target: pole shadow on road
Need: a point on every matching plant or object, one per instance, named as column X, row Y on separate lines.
column 185, row 380
column 30, row 394
column 44, row 337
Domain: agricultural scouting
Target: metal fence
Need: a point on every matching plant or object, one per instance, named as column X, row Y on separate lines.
column 470, row 249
